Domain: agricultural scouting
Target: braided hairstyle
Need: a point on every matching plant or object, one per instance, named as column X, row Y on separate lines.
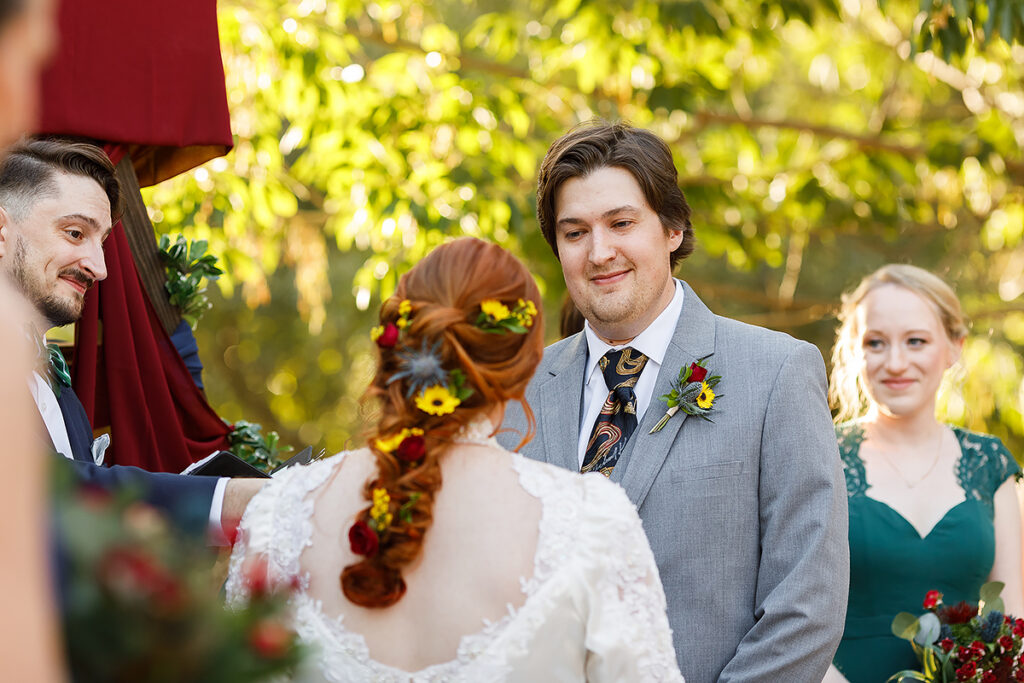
column 445, row 291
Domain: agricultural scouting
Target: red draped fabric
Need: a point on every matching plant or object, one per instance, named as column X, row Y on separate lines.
column 129, row 376
column 147, row 74
column 146, row 77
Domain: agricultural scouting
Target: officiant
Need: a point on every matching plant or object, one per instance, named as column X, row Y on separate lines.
column 58, row 203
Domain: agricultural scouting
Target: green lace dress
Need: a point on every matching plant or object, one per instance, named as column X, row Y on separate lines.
column 892, row 566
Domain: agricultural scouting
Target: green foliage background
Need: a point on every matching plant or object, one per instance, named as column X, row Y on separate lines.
column 815, row 139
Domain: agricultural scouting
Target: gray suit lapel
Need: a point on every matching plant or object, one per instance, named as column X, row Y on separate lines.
column 694, row 338
column 559, row 402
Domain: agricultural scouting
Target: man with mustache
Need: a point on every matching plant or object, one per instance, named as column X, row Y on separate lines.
column 58, row 203
column 736, row 475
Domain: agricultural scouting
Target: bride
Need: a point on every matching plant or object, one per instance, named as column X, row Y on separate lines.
column 512, row 570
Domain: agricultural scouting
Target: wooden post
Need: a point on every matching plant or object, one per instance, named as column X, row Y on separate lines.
column 142, row 240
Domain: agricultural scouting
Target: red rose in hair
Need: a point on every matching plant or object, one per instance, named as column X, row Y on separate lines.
column 388, row 337
column 946, row 644
column 966, row 671
column 697, row 373
column 411, row 449
column 269, row 639
column 362, row 539
column 931, row 599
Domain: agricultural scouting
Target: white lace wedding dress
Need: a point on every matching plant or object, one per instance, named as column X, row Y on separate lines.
column 594, row 608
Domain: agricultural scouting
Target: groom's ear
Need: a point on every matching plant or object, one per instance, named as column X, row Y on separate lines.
column 675, row 238
column 5, row 231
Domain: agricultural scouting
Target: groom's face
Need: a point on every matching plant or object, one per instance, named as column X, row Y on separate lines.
column 615, row 252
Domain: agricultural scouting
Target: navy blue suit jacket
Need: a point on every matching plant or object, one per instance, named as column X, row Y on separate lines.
column 186, row 499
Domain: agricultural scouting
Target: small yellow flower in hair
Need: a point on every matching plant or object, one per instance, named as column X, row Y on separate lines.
column 402, row 323
column 437, row 400
column 380, row 510
column 405, row 308
column 495, row 309
column 375, row 332
column 394, row 441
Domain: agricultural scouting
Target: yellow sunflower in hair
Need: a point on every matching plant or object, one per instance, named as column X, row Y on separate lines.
column 437, row 400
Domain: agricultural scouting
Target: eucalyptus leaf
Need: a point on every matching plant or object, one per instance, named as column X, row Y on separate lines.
column 905, row 626
column 928, row 626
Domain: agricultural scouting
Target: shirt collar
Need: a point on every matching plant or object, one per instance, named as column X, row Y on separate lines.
column 652, row 342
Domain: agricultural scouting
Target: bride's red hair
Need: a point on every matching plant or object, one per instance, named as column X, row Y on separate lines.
column 445, row 289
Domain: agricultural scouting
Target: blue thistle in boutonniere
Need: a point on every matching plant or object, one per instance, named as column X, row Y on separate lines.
column 693, row 392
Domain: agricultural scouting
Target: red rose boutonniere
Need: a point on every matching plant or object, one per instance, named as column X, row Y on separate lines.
column 693, row 392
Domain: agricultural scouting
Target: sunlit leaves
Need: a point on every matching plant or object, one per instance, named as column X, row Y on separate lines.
column 814, row 145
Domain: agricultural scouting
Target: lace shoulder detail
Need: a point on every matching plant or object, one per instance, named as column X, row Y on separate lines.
column 984, row 465
column 277, row 524
column 850, row 435
column 632, row 600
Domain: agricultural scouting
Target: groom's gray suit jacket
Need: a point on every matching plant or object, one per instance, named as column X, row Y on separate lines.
column 746, row 515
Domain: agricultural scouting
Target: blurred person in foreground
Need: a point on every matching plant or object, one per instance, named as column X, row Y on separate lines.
column 932, row 506
column 734, row 469
column 28, row 642
column 434, row 554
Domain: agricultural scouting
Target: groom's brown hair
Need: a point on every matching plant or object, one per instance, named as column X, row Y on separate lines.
column 598, row 144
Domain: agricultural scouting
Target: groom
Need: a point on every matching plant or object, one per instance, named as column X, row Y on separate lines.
column 745, row 510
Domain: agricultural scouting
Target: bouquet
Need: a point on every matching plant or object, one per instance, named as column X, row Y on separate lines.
column 142, row 602
column 963, row 642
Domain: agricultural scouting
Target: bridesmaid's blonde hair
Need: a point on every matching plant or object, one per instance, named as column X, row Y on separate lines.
column 846, row 392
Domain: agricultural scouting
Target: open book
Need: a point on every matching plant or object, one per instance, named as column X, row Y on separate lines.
column 227, row 464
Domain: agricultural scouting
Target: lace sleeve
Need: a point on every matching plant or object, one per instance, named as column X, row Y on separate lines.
column 984, row 465
column 275, row 528
column 628, row 637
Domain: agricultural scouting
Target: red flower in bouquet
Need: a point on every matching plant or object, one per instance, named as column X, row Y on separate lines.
column 946, row 644
column 270, row 639
column 989, row 677
column 1006, row 642
column 932, row 599
column 131, row 572
column 960, row 613
column 1019, row 674
column 967, row 671
column 362, row 539
column 257, row 577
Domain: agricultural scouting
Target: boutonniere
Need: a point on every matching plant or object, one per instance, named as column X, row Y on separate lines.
column 693, row 392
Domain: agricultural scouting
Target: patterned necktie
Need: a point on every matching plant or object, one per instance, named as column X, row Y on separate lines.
column 617, row 420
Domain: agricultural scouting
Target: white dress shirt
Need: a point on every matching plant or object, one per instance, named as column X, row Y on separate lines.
column 652, row 342
column 49, row 410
